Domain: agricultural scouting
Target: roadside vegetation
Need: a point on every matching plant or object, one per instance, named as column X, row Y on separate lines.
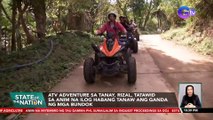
column 69, row 50
column 197, row 41
column 196, row 31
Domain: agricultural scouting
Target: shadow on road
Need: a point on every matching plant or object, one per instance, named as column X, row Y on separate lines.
column 175, row 71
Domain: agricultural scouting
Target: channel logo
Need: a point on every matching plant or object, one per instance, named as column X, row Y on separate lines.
column 185, row 12
column 28, row 99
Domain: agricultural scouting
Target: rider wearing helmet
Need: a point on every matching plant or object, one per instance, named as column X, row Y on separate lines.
column 125, row 23
column 133, row 25
column 112, row 26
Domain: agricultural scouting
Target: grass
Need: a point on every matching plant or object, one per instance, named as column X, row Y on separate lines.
column 183, row 36
column 69, row 50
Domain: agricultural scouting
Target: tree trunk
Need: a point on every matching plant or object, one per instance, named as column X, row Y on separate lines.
column 39, row 10
column 29, row 35
column 0, row 26
column 13, row 40
column 148, row 14
column 18, row 34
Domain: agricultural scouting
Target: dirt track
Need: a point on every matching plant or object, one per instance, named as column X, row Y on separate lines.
column 160, row 66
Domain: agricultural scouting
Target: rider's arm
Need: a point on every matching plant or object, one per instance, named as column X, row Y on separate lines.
column 121, row 28
column 102, row 29
column 135, row 24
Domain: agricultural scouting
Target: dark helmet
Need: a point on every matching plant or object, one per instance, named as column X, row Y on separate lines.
column 112, row 14
column 125, row 17
column 121, row 17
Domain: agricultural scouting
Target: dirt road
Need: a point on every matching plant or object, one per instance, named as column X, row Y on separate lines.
column 160, row 66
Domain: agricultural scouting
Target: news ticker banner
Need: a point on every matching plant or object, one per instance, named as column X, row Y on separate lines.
column 92, row 99
column 96, row 102
column 89, row 110
column 105, row 110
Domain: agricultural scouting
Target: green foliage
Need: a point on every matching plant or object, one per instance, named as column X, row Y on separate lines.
column 4, row 21
column 170, row 8
column 56, row 8
column 138, row 9
column 123, row 7
column 183, row 37
column 69, row 50
column 152, row 25
column 197, row 32
column 206, row 46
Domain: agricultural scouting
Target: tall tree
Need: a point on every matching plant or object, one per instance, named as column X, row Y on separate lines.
column 39, row 10
column 14, row 13
column 123, row 5
column 18, row 34
column 138, row 8
column 0, row 24
column 30, row 37
column 148, row 12
column 170, row 8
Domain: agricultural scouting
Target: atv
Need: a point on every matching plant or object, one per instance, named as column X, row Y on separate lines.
column 111, row 57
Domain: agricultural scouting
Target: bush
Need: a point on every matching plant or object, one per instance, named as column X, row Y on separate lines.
column 69, row 50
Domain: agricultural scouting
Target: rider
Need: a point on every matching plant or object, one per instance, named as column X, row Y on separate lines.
column 132, row 24
column 124, row 22
column 112, row 26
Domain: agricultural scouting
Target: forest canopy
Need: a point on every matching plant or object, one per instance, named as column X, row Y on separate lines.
column 24, row 22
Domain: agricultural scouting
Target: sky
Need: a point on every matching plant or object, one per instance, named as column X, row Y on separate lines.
column 112, row 1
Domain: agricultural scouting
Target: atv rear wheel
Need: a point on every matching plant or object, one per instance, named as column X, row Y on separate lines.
column 135, row 46
column 132, row 72
column 89, row 71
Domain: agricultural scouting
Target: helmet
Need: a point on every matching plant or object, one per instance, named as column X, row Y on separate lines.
column 112, row 14
column 121, row 17
column 125, row 17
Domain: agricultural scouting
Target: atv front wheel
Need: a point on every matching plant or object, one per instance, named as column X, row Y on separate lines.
column 89, row 71
column 132, row 72
column 135, row 46
column 128, row 54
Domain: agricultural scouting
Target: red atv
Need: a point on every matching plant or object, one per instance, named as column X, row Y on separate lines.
column 111, row 57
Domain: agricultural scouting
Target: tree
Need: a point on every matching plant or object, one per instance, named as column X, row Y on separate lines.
column 39, row 10
column 138, row 9
column 14, row 13
column 123, row 5
column 83, row 16
column 29, row 35
column 5, row 12
column 170, row 7
column 0, row 24
column 148, row 11
column 163, row 23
